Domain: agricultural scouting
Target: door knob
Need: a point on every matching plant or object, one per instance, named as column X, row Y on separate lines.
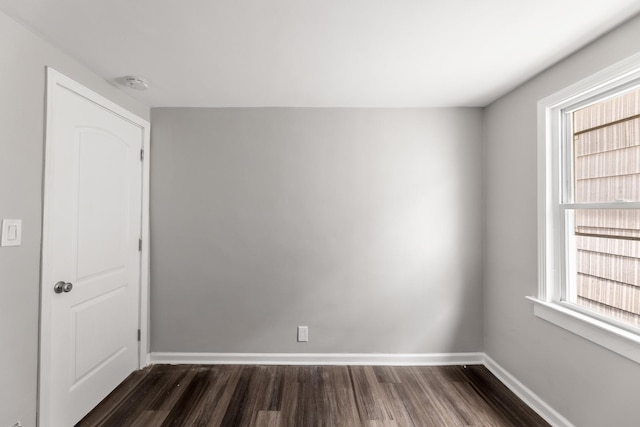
column 58, row 287
column 61, row 287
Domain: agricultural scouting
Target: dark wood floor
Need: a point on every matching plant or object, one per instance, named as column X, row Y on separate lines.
column 306, row 396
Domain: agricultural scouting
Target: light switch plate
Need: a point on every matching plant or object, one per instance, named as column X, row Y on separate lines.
column 11, row 232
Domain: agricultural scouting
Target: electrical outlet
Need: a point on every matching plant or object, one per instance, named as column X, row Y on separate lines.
column 303, row 333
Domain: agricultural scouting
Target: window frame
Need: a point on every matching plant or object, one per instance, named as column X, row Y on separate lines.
column 555, row 198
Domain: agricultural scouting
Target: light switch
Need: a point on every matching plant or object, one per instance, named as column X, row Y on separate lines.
column 11, row 232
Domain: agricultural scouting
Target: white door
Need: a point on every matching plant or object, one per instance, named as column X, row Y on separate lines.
column 91, row 257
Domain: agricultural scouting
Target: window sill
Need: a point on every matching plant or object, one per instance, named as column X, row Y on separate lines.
column 618, row 340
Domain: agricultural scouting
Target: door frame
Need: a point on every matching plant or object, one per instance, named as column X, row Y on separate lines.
column 54, row 79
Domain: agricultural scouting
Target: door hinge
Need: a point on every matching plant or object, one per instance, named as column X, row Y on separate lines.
column 141, row 155
column 139, row 334
column 140, row 245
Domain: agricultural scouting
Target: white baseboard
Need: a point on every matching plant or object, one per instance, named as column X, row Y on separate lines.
column 376, row 359
column 429, row 359
column 530, row 398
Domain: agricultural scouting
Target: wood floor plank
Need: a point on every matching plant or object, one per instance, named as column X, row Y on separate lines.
column 341, row 402
column 308, row 396
column 365, row 388
column 268, row 419
column 214, row 407
column 463, row 397
column 150, row 418
column 420, row 406
column 386, row 374
column 500, row 398
column 470, row 405
column 399, row 412
column 192, row 393
column 434, row 385
column 275, row 389
column 259, row 394
column 290, row 393
column 236, row 410
column 116, row 397
column 153, row 387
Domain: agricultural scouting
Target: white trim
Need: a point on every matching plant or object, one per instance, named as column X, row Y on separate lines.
column 145, row 257
column 530, row 398
column 545, row 214
column 377, row 359
column 613, row 76
column 549, row 127
column 53, row 79
column 602, row 333
column 554, row 200
column 612, row 205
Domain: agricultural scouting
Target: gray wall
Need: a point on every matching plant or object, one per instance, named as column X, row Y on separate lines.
column 23, row 57
column 364, row 225
column 589, row 385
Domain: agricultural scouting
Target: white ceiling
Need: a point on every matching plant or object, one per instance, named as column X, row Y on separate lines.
column 321, row 53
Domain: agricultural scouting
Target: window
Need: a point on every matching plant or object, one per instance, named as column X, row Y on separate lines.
column 589, row 208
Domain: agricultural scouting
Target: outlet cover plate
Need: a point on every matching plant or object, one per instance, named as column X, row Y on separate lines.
column 303, row 333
